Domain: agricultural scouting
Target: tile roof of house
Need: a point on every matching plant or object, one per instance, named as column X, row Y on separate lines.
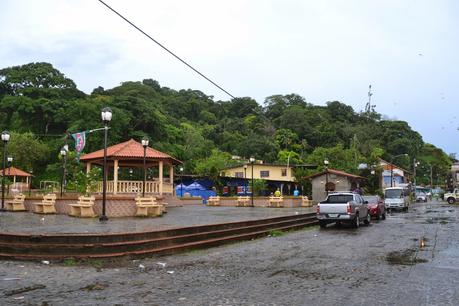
column 130, row 149
column 13, row 171
column 337, row 172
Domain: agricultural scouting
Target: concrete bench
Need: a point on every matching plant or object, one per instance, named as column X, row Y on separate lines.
column 83, row 208
column 243, row 201
column 17, row 204
column 276, row 201
column 47, row 205
column 148, row 207
column 305, row 202
column 213, row 201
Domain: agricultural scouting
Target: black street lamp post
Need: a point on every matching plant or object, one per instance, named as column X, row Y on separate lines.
column 30, row 182
column 145, row 145
column 252, row 160
column 326, row 162
column 64, row 160
column 181, row 182
column 10, row 163
column 5, row 138
column 245, row 179
column 106, row 118
column 392, row 168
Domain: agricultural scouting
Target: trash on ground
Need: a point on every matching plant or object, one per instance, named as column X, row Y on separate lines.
column 45, row 262
column 11, row 278
column 162, row 264
column 170, row 272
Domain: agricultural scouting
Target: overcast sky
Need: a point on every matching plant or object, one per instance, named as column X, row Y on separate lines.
column 321, row 50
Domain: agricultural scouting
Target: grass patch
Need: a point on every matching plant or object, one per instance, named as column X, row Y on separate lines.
column 276, row 233
column 70, row 262
column 96, row 263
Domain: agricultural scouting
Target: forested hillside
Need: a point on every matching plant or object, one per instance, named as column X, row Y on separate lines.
column 39, row 105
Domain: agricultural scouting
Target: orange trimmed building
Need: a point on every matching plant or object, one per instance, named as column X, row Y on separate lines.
column 129, row 154
column 21, row 179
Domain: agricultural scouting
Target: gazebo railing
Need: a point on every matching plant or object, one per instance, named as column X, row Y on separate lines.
column 136, row 187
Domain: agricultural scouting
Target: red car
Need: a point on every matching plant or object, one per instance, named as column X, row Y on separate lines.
column 376, row 206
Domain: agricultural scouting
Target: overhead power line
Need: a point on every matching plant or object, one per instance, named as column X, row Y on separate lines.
column 162, row 46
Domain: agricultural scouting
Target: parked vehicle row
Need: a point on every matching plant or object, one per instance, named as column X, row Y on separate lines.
column 353, row 209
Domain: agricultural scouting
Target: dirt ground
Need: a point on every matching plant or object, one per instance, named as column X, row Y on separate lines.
column 409, row 259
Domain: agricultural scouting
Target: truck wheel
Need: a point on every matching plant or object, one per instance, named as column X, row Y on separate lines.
column 451, row 200
column 322, row 224
column 367, row 220
column 356, row 222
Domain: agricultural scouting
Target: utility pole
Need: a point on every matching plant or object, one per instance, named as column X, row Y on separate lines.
column 415, row 165
column 368, row 105
column 431, row 186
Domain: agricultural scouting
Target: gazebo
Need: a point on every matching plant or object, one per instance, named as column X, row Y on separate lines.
column 130, row 154
column 17, row 173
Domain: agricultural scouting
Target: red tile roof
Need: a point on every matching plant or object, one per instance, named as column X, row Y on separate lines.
column 13, row 171
column 129, row 149
column 337, row 172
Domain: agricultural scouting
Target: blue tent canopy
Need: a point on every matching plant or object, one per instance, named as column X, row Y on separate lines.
column 180, row 186
column 195, row 186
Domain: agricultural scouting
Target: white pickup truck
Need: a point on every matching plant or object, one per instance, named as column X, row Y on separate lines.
column 343, row 207
column 452, row 197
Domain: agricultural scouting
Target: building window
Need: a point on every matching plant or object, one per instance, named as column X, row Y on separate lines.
column 239, row 174
column 283, row 172
column 264, row 173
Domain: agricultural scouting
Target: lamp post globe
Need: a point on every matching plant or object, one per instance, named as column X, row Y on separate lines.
column 106, row 115
column 252, row 161
column 5, row 138
column 145, row 142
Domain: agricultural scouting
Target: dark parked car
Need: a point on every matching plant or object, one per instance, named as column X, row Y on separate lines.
column 376, row 206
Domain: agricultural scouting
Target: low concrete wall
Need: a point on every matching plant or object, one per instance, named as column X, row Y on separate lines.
column 261, row 201
column 116, row 206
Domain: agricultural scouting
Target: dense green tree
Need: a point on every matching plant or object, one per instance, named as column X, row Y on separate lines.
column 41, row 106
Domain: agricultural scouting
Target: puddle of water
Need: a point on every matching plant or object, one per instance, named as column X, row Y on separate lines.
column 406, row 257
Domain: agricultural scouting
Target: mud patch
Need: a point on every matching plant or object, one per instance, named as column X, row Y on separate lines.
column 441, row 220
column 406, row 257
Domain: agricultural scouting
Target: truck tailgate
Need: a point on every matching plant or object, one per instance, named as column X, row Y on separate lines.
column 331, row 208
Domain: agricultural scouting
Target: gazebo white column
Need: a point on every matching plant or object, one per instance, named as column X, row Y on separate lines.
column 88, row 167
column 115, row 176
column 160, row 177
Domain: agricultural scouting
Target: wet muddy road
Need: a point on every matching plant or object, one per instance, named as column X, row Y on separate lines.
column 409, row 259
